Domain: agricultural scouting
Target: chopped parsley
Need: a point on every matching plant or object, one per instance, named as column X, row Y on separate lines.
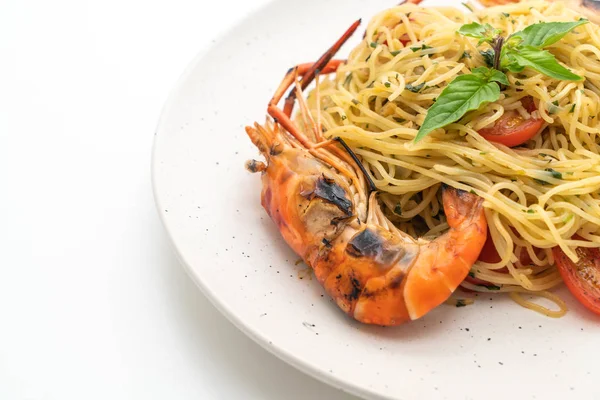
column 555, row 174
column 415, row 89
column 553, row 107
column 488, row 57
column 398, row 209
column 423, row 47
column 348, row 80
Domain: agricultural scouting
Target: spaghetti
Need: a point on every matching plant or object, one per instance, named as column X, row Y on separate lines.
column 537, row 196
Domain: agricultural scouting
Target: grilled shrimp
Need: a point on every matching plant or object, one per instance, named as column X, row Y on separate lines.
column 326, row 209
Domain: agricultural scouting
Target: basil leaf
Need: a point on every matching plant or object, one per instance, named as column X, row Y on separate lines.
column 546, row 33
column 542, row 61
column 465, row 93
column 491, row 75
column 475, row 30
column 499, row 76
column 515, row 67
column 508, row 62
column 485, row 33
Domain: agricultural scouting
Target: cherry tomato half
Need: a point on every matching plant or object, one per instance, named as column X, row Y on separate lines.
column 405, row 39
column 582, row 278
column 490, row 255
column 512, row 129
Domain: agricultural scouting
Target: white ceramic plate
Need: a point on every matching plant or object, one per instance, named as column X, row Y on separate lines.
column 210, row 207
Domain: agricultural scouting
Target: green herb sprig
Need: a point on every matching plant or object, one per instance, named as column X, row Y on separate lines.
column 523, row 49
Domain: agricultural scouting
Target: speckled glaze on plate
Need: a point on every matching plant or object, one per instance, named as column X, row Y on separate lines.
column 211, row 209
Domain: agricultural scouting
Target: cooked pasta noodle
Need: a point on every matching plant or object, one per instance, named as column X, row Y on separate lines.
column 537, row 196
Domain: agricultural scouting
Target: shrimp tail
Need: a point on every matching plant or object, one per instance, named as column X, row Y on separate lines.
column 445, row 262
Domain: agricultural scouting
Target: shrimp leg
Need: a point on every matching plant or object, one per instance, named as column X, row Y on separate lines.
column 282, row 117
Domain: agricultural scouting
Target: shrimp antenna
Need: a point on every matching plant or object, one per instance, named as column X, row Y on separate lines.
column 316, row 68
column 341, row 141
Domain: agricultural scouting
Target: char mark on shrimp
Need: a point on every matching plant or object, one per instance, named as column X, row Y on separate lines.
column 356, row 289
column 365, row 244
column 330, row 191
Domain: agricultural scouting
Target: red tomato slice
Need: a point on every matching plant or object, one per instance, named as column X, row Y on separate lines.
column 583, row 278
column 512, row 129
column 489, row 254
column 404, row 39
column 528, row 104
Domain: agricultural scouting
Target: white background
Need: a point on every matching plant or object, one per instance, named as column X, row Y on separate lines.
column 93, row 303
